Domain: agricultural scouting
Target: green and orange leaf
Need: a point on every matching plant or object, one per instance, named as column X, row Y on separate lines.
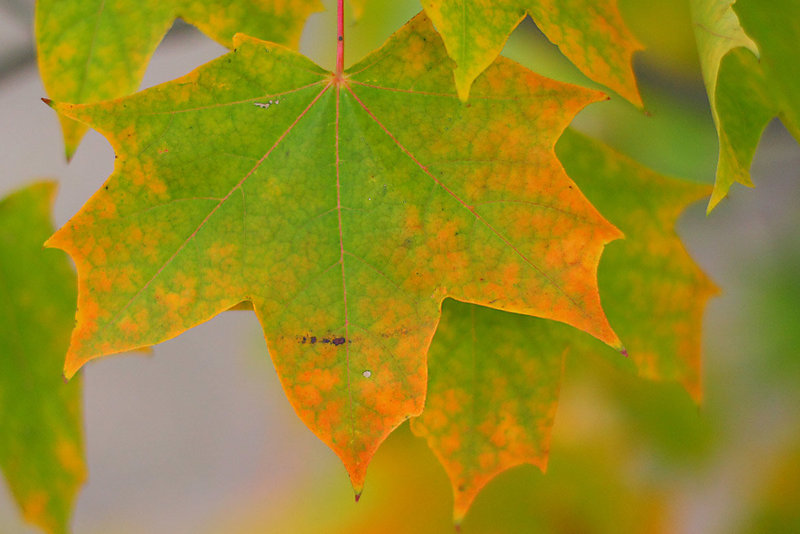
column 652, row 290
column 41, row 439
column 493, row 383
column 590, row 33
column 494, row 376
column 92, row 50
column 345, row 208
column 748, row 54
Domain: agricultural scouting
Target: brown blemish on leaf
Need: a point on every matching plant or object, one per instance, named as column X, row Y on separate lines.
column 333, row 340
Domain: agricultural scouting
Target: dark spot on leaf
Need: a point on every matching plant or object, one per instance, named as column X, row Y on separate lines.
column 327, row 340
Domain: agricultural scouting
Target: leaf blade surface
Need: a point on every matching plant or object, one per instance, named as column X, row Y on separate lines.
column 344, row 210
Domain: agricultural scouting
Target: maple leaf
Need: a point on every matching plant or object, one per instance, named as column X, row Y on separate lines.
column 95, row 50
column 590, row 33
column 41, row 442
column 493, row 382
column 751, row 76
column 345, row 208
column 494, row 376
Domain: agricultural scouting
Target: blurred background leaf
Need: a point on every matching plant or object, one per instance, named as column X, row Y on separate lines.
column 41, row 428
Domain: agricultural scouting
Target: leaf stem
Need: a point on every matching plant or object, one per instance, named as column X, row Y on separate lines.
column 340, row 39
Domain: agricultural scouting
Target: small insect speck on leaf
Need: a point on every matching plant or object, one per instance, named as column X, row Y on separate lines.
column 266, row 105
column 367, row 373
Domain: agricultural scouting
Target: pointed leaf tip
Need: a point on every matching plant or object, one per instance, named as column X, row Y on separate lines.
column 71, row 366
column 47, row 101
column 358, row 496
column 69, row 152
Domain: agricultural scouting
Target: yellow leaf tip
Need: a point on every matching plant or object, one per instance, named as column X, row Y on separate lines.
column 357, row 473
column 53, row 242
column 69, row 151
column 714, row 201
column 71, row 366
column 463, row 87
column 238, row 38
column 67, row 374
